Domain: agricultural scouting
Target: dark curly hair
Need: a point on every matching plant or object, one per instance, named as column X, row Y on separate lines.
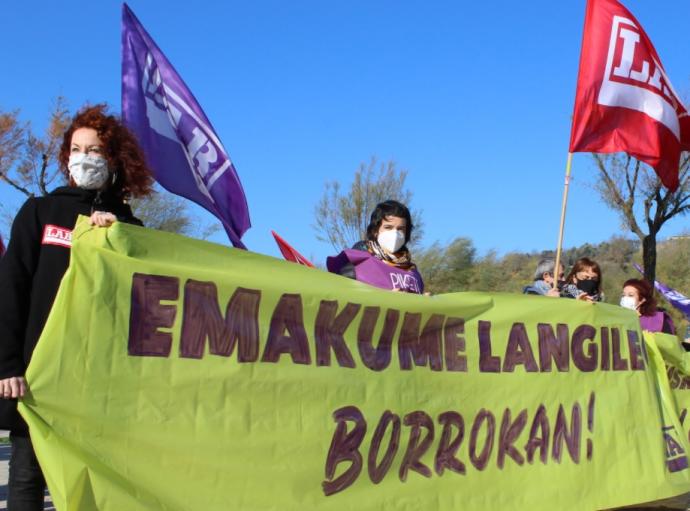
column 125, row 158
column 645, row 292
column 385, row 209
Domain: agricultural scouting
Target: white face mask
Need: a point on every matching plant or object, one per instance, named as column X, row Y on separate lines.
column 391, row 241
column 88, row 171
column 629, row 302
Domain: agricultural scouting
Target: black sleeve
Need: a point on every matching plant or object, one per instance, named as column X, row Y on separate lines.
column 133, row 220
column 348, row 270
column 124, row 214
column 17, row 268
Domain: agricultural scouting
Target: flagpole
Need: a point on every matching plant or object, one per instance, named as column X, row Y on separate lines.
column 557, row 265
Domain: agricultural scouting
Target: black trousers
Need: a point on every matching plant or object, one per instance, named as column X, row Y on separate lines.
column 26, row 484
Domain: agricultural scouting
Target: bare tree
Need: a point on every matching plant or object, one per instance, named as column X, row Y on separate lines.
column 164, row 211
column 28, row 163
column 633, row 190
column 342, row 218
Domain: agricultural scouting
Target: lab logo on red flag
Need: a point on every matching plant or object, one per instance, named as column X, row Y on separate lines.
column 635, row 79
column 625, row 101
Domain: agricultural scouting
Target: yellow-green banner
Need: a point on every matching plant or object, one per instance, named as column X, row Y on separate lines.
column 676, row 377
column 175, row 374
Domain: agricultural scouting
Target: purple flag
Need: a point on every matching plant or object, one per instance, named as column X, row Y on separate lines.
column 678, row 300
column 181, row 147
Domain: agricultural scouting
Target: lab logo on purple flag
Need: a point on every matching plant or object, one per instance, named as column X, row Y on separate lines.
column 181, row 147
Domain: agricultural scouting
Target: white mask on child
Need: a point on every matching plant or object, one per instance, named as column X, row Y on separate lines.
column 391, row 241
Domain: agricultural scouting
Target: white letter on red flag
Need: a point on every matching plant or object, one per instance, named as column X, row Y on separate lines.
column 624, row 100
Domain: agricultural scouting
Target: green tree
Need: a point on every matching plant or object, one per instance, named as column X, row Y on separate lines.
column 341, row 217
column 673, row 267
column 517, row 270
column 449, row 268
column 486, row 273
column 618, row 250
column 673, row 270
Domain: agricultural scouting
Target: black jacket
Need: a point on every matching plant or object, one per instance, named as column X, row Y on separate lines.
column 31, row 270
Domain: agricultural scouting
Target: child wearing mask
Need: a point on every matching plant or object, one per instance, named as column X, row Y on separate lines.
column 383, row 259
column 584, row 281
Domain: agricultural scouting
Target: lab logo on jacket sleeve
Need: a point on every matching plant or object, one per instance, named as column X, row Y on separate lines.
column 55, row 235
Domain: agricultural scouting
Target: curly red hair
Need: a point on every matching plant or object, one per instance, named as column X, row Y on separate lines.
column 125, row 158
column 645, row 291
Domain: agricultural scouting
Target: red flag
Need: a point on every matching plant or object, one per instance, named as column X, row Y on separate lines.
column 2, row 247
column 289, row 253
column 624, row 100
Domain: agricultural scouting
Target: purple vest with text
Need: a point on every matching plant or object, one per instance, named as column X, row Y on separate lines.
column 370, row 270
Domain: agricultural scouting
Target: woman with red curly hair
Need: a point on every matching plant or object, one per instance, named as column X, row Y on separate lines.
column 638, row 295
column 104, row 166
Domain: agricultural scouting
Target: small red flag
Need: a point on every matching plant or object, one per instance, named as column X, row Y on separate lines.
column 2, row 247
column 289, row 253
column 624, row 100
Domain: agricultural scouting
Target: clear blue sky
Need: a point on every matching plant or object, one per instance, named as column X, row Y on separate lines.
column 473, row 98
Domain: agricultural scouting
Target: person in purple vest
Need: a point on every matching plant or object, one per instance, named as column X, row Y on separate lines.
column 382, row 260
column 638, row 295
